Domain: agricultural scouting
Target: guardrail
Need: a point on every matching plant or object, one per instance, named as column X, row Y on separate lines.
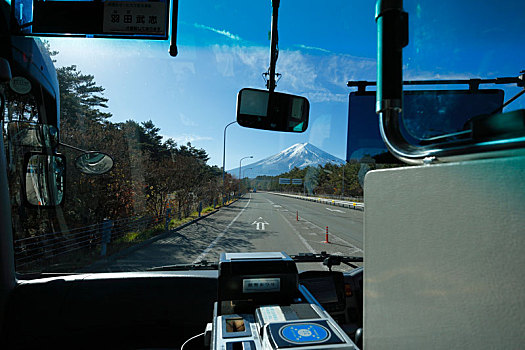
column 328, row 196
column 49, row 245
column 334, row 202
column 98, row 236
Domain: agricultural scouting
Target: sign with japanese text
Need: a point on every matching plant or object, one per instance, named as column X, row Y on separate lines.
column 135, row 17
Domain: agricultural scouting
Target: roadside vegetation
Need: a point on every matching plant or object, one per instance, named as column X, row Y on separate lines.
column 153, row 178
column 151, row 175
column 322, row 181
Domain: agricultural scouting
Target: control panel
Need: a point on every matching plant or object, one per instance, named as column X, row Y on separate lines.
column 262, row 305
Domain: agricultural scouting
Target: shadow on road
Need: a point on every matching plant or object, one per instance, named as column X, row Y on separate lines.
column 341, row 245
column 186, row 245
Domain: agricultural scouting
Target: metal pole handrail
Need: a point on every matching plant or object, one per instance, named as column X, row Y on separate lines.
column 240, row 167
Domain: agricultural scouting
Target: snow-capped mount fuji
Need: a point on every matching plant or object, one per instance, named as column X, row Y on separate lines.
column 299, row 155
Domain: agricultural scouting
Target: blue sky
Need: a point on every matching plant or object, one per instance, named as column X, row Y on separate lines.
column 224, row 46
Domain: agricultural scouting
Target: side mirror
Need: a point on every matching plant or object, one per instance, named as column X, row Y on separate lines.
column 44, row 180
column 33, row 135
column 94, row 163
column 5, row 70
column 261, row 109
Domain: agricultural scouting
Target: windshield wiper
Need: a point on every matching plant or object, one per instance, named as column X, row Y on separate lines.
column 327, row 259
column 37, row 275
column 201, row 265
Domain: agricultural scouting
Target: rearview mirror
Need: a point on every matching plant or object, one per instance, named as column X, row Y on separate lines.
column 44, row 181
column 94, row 163
column 261, row 109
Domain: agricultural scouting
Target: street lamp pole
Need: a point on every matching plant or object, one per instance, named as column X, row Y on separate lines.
column 343, row 186
column 240, row 166
column 224, row 154
column 244, row 175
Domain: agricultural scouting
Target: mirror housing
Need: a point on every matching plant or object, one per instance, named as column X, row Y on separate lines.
column 33, row 135
column 5, row 70
column 44, row 180
column 94, row 163
column 262, row 109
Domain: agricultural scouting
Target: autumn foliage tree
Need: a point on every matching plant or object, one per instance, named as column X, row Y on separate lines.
column 149, row 174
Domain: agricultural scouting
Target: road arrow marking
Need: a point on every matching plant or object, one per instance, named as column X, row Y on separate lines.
column 218, row 238
column 337, row 210
column 260, row 224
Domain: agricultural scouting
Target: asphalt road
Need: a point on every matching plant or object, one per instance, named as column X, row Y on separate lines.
column 256, row 222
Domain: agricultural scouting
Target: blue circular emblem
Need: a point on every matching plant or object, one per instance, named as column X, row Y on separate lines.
column 300, row 333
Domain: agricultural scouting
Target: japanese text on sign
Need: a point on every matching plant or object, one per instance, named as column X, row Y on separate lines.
column 135, row 17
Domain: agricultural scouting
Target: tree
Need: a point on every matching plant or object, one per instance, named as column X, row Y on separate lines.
column 80, row 97
column 147, row 172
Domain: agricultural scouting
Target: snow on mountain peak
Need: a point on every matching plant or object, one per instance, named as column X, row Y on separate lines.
column 299, row 155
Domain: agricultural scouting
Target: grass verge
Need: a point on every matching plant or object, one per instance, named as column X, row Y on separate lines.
column 75, row 260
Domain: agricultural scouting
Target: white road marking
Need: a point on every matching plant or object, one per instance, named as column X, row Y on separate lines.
column 308, row 246
column 357, row 250
column 354, row 250
column 323, row 230
column 260, row 224
column 216, row 240
column 337, row 210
